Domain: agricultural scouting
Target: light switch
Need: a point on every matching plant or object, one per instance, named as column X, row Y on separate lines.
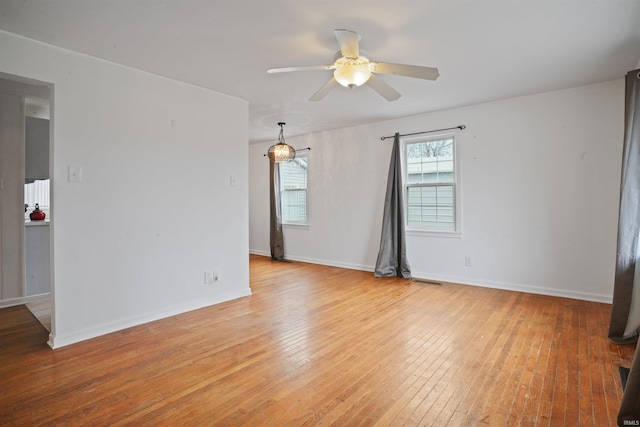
column 233, row 181
column 74, row 174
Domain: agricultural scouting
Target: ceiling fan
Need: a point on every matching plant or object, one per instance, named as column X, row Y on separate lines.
column 350, row 69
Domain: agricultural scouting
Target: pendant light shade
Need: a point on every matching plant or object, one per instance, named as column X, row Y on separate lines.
column 281, row 152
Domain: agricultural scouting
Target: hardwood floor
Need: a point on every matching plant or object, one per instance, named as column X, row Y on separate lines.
column 321, row 345
column 41, row 309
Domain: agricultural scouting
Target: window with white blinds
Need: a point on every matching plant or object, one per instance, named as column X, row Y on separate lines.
column 430, row 184
column 293, row 191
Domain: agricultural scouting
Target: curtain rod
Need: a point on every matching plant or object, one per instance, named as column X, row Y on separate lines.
column 301, row 149
column 382, row 138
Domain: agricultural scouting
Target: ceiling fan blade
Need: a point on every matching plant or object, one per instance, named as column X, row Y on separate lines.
column 386, row 91
column 427, row 73
column 324, row 90
column 349, row 42
column 303, row 68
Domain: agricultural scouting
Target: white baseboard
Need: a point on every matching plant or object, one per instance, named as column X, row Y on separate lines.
column 13, row 301
column 331, row 263
column 326, row 262
column 259, row 252
column 57, row 341
column 22, row 300
column 517, row 287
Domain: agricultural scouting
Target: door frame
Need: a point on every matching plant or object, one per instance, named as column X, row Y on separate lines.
column 25, row 87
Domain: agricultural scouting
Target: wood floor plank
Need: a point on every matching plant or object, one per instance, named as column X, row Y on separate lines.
column 464, row 390
column 531, row 416
column 317, row 345
column 475, row 407
column 586, row 407
column 551, row 373
column 523, row 400
column 560, row 396
column 498, row 401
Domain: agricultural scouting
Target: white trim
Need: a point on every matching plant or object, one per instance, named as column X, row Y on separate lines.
column 416, row 232
column 457, row 184
column 57, row 341
column 259, row 252
column 328, row 263
column 518, row 287
column 10, row 302
column 514, row 287
column 298, row 225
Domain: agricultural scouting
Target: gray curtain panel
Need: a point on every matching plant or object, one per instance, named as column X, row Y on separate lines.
column 629, row 414
column 629, row 219
column 277, row 240
column 624, row 326
column 392, row 257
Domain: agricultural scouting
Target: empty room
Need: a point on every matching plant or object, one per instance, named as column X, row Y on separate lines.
column 345, row 213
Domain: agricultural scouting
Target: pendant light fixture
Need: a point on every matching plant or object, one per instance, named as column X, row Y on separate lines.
column 281, row 152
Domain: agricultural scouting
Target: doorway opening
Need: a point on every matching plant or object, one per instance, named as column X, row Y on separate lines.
column 25, row 179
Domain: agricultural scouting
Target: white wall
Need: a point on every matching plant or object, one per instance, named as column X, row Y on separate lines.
column 540, row 184
column 155, row 208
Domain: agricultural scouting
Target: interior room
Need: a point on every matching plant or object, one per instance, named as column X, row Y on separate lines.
column 161, row 264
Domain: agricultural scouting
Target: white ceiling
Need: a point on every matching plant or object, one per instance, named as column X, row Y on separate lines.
column 485, row 50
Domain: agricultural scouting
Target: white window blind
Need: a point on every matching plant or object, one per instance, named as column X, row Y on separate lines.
column 430, row 184
column 293, row 191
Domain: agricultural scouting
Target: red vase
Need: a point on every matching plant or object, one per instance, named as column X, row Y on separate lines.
column 37, row 214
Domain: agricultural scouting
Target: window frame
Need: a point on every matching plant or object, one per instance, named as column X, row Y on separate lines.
column 412, row 230
column 296, row 224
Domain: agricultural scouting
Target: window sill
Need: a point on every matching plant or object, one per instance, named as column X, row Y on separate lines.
column 296, row 225
column 430, row 233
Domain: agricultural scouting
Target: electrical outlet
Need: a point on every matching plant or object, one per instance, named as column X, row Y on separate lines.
column 468, row 261
column 216, row 276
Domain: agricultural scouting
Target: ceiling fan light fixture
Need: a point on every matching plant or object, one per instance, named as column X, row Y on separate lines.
column 281, row 152
column 352, row 72
column 352, row 68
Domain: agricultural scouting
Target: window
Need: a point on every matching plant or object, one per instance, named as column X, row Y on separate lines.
column 293, row 191
column 430, row 184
